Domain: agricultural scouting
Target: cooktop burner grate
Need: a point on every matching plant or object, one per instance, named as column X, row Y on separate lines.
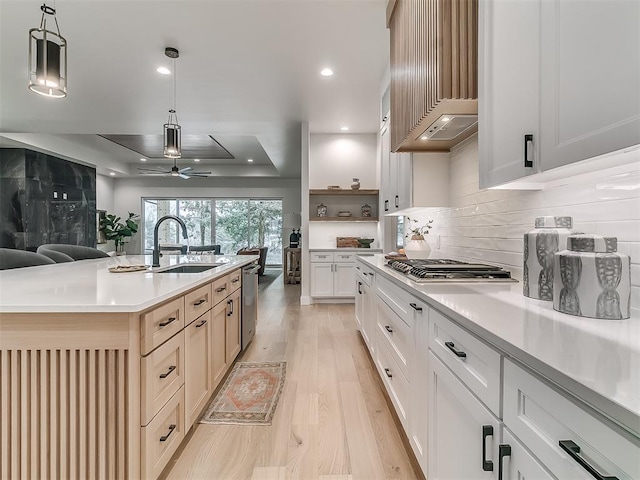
column 443, row 269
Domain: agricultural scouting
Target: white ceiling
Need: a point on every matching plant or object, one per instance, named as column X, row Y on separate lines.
column 246, row 68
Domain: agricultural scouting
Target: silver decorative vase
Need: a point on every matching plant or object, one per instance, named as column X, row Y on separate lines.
column 540, row 245
column 592, row 280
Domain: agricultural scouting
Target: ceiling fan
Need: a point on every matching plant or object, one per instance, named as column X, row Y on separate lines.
column 184, row 173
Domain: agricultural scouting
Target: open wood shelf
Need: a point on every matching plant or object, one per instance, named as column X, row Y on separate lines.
column 343, row 191
column 343, row 219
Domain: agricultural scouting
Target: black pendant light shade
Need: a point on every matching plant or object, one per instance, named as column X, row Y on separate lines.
column 47, row 58
column 172, row 130
column 172, row 137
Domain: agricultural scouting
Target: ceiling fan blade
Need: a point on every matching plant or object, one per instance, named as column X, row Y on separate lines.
column 156, row 170
column 183, row 176
column 198, row 173
column 199, row 176
column 153, row 174
column 185, row 169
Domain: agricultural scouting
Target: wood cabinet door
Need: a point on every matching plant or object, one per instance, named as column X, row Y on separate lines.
column 233, row 316
column 344, row 281
column 459, row 425
column 508, row 82
column 219, row 342
column 590, row 94
column 322, row 279
column 198, row 359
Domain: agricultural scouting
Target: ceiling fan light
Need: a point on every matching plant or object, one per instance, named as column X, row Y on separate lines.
column 47, row 59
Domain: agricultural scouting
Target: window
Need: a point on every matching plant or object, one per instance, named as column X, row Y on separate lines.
column 399, row 232
column 231, row 223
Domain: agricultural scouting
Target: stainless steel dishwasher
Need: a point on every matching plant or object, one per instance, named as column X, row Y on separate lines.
column 249, row 303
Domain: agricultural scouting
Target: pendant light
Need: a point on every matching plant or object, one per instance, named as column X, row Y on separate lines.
column 47, row 58
column 172, row 131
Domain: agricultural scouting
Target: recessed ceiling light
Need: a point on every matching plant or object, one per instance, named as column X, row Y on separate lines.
column 423, row 138
column 196, row 159
column 143, row 159
column 326, row 72
column 250, row 160
column 445, row 119
column 112, row 174
column 163, row 70
column 344, row 129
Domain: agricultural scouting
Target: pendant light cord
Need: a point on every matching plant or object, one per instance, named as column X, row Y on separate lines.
column 175, row 82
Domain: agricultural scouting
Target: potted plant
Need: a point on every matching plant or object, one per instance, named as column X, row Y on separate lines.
column 417, row 246
column 117, row 231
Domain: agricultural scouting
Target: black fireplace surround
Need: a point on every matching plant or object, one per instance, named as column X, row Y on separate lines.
column 45, row 199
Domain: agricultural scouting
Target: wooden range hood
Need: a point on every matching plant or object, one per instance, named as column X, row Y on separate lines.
column 434, row 73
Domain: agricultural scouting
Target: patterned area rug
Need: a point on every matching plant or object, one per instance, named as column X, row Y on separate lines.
column 249, row 396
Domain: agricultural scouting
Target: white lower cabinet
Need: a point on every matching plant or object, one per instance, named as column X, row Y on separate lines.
column 419, row 426
column 464, row 435
column 366, row 307
column 332, row 274
column 516, row 463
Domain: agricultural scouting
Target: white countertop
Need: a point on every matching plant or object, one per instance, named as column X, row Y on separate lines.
column 596, row 360
column 88, row 286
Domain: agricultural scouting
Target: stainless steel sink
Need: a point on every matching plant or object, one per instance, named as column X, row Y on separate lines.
column 188, row 269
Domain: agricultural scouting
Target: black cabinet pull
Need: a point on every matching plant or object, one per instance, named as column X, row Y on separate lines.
column 573, row 450
column 397, row 201
column 528, row 139
column 235, row 280
column 230, row 304
column 415, row 307
column 386, row 205
column 203, row 322
column 199, row 302
column 388, row 328
column 221, row 289
column 388, row 372
column 487, row 431
column 504, row 450
column 451, row 346
column 167, row 322
column 359, row 285
column 171, row 369
column 164, row 437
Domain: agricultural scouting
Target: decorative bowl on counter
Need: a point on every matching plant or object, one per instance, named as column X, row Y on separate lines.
column 365, row 242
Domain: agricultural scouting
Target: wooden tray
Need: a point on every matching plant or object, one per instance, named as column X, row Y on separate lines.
column 128, row 268
column 347, row 242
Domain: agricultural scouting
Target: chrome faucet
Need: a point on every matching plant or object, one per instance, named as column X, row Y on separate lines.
column 156, row 248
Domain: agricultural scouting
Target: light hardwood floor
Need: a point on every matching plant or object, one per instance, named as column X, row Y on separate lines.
column 332, row 422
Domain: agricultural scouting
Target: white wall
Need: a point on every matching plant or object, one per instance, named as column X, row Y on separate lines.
column 104, row 193
column 488, row 225
column 335, row 159
column 128, row 194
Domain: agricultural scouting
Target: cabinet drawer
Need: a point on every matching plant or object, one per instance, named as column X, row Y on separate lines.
column 394, row 380
column 397, row 335
column 234, row 280
column 162, row 437
column 344, row 257
column 161, row 375
column 396, row 298
column 366, row 274
column 197, row 302
column 474, row 362
column 220, row 289
column 542, row 417
column 322, row 257
column 160, row 324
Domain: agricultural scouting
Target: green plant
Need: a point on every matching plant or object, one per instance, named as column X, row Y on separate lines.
column 417, row 230
column 117, row 231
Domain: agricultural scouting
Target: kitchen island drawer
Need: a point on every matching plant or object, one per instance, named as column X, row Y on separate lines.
column 472, row 360
column 220, row 288
column 566, row 438
column 161, row 376
column 197, row 302
column 162, row 437
column 160, row 324
column 234, row 280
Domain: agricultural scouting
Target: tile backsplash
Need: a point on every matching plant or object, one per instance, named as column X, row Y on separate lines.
column 488, row 225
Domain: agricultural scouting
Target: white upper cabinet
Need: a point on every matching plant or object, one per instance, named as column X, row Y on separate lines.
column 508, row 98
column 590, row 78
column 559, row 82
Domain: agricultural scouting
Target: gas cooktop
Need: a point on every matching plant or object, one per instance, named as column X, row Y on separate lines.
column 445, row 270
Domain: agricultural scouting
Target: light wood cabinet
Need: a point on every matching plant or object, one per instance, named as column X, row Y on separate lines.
column 198, row 360
column 160, row 324
column 542, row 104
column 219, row 342
column 197, row 302
column 233, row 327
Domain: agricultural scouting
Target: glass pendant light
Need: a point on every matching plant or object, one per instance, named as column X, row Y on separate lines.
column 47, row 58
column 172, row 131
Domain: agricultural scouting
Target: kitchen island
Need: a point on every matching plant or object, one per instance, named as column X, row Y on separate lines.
column 102, row 374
